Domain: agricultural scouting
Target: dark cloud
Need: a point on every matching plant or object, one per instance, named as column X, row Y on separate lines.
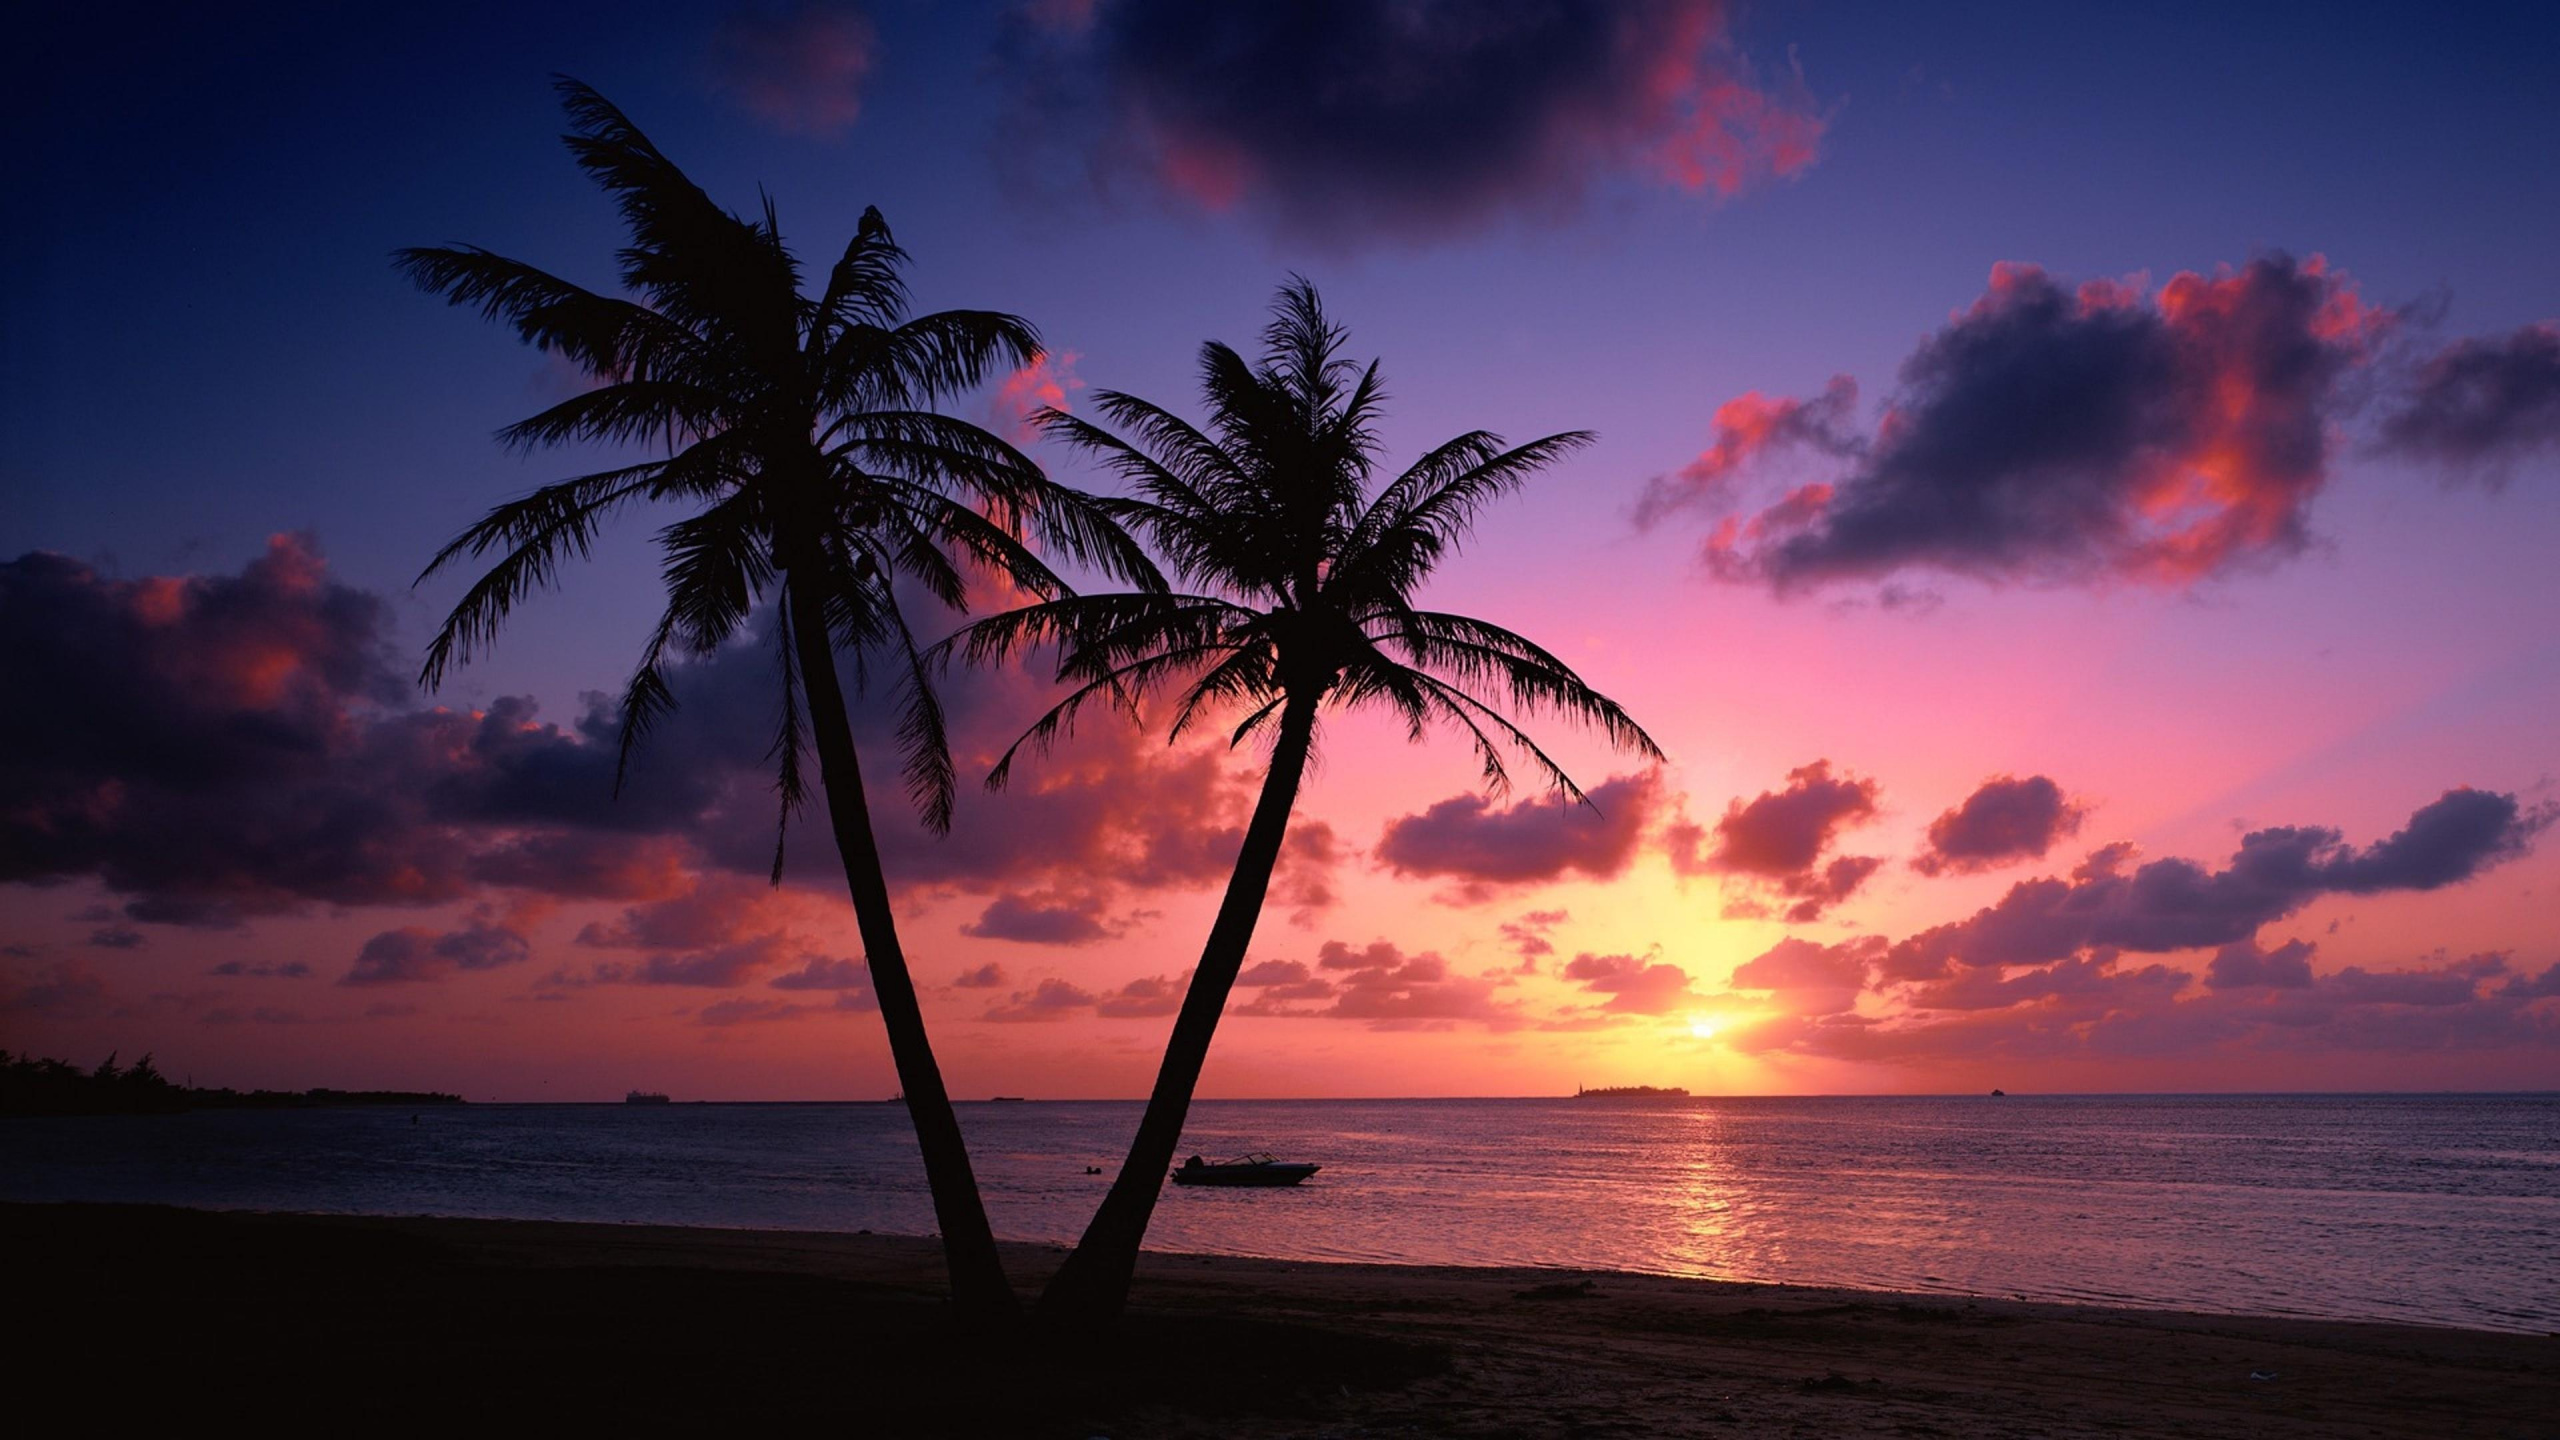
column 2103, row 433
column 218, row 748
column 1146, row 996
column 749, row 1010
column 2479, row 406
column 2091, row 1006
column 985, row 977
column 289, row 970
column 214, row 747
column 1045, row 919
column 1344, row 120
column 2243, row 963
column 1635, row 986
column 1466, row 838
column 2005, row 821
column 69, row 990
column 413, row 953
column 1051, row 999
column 825, row 973
column 117, row 937
column 1777, row 840
column 798, row 67
column 1303, row 880
column 2178, row 904
column 1380, row 985
column 1747, row 429
column 1283, row 983
column 722, row 967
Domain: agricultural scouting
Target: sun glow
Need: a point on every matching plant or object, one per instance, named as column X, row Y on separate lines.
column 1703, row 1026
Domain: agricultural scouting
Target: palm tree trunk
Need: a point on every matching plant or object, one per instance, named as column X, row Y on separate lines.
column 1093, row 1286
column 978, row 1285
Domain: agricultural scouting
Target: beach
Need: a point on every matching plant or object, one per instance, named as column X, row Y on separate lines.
column 312, row 1322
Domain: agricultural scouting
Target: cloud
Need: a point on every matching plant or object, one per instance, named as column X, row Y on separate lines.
column 2479, row 406
column 984, row 977
column 798, row 67
column 1809, row 978
column 2244, row 963
column 2178, row 904
column 289, row 970
column 1044, row 383
column 721, row 967
column 1303, row 881
column 1746, row 429
column 826, row 973
column 1146, row 996
column 1043, row 919
column 217, row 748
column 1282, row 983
column 69, row 990
column 748, row 1010
column 1777, row 841
column 2081, row 435
column 413, row 953
column 1634, row 986
column 2090, row 1006
column 224, row 746
column 1485, row 849
column 1379, row 985
column 1349, row 120
column 1530, row 936
column 1051, row 999
column 2004, row 821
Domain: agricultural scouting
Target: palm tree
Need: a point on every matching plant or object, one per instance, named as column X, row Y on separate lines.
column 800, row 435
column 1303, row 586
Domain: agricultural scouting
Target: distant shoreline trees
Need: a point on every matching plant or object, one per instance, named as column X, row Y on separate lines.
column 33, row 1086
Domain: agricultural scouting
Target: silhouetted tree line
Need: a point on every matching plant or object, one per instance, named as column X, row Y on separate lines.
column 32, row 1086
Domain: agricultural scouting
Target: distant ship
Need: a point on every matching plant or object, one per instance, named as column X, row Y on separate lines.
column 1631, row 1092
column 645, row 1097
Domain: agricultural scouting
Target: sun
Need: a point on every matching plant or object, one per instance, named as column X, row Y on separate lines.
column 1702, row 1026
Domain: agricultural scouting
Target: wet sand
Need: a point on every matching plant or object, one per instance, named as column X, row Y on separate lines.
column 311, row 1323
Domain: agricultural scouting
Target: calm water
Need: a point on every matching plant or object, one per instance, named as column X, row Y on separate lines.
column 2438, row 1209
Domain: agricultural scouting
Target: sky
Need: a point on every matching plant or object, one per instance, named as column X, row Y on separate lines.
column 2073, row 501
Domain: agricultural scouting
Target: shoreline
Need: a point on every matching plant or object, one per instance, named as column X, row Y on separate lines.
column 1257, row 1347
column 1039, row 1255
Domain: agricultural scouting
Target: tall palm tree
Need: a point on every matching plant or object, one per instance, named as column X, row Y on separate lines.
column 1303, row 586
column 800, row 435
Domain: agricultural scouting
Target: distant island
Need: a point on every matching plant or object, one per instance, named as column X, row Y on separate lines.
column 29, row 1086
column 646, row 1097
column 1631, row 1092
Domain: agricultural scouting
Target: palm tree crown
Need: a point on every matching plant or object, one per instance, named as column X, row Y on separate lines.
column 1306, row 578
column 800, row 426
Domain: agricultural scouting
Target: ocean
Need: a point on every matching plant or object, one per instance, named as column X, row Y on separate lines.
column 2431, row 1209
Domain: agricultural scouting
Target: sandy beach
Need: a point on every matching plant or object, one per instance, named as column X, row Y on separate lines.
column 328, row 1322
